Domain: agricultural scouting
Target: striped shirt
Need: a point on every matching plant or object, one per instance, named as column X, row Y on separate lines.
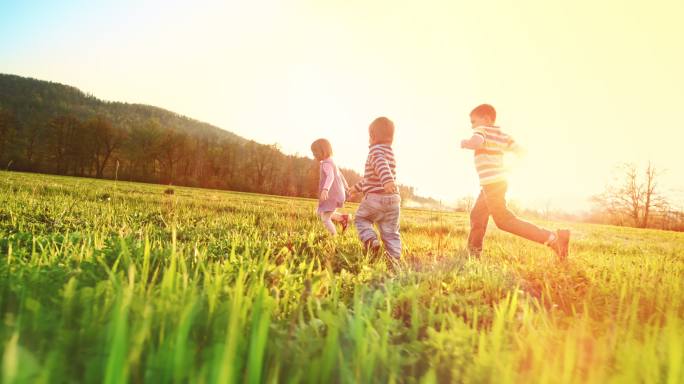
column 380, row 170
column 489, row 160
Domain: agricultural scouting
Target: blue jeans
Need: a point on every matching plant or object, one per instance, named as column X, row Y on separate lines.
column 382, row 210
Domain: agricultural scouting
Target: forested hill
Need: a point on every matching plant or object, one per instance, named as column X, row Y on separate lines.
column 36, row 100
column 54, row 128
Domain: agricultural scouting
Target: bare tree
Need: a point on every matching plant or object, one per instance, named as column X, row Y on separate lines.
column 633, row 195
column 143, row 148
column 106, row 140
column 405, row 192
column 172, row 148
column 63, row 137
column 465, row 204
column 546, row 211
column 261, row 164
column 650, row 199
column 7, row 128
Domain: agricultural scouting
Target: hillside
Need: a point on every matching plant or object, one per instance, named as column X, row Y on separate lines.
column 37, row 101
column 54, row 128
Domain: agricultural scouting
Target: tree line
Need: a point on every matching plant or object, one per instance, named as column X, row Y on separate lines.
column 149, row 152
column 54, row 128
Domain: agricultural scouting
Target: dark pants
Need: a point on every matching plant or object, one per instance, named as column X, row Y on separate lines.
column 492, row 201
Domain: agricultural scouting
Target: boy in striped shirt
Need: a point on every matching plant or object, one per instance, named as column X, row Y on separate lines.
column 489, row 144
column 381, row 200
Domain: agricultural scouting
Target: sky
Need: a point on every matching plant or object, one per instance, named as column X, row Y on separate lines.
column 582, row 85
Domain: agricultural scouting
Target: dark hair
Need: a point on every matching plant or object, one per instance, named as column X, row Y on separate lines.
column 484, row 110
column 321, row 149
column 382, row 130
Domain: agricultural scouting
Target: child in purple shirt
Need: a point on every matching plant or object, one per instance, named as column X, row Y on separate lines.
column 331, row 188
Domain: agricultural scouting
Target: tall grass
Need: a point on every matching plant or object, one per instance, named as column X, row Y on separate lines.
column 120, row 282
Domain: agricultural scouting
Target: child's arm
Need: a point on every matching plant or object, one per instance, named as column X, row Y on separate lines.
column 384, row 172
column 356, row 188
column 329, row 173
column 475, row 142
column 514, row 147
column 344, row 180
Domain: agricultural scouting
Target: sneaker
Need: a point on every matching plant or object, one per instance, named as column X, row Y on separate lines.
column 560, row 243
column 345, row 221
column 474, row 252
column 393, row 263
column 372, row 246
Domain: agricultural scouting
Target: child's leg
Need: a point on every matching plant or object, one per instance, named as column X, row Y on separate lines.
column 388, row 224
column 367, row 213
column 336, row 217
column 505, row 219
column 479, row 217
column 343, row 219
column 327, row 222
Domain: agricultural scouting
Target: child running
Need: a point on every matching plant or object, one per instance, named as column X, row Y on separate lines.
column 381, row 200
column 489, row 143
column 332, row 187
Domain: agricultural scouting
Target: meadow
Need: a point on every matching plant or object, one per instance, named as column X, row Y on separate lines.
column 116, row 282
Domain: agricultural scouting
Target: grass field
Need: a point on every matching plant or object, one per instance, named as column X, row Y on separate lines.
column 104, row 282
